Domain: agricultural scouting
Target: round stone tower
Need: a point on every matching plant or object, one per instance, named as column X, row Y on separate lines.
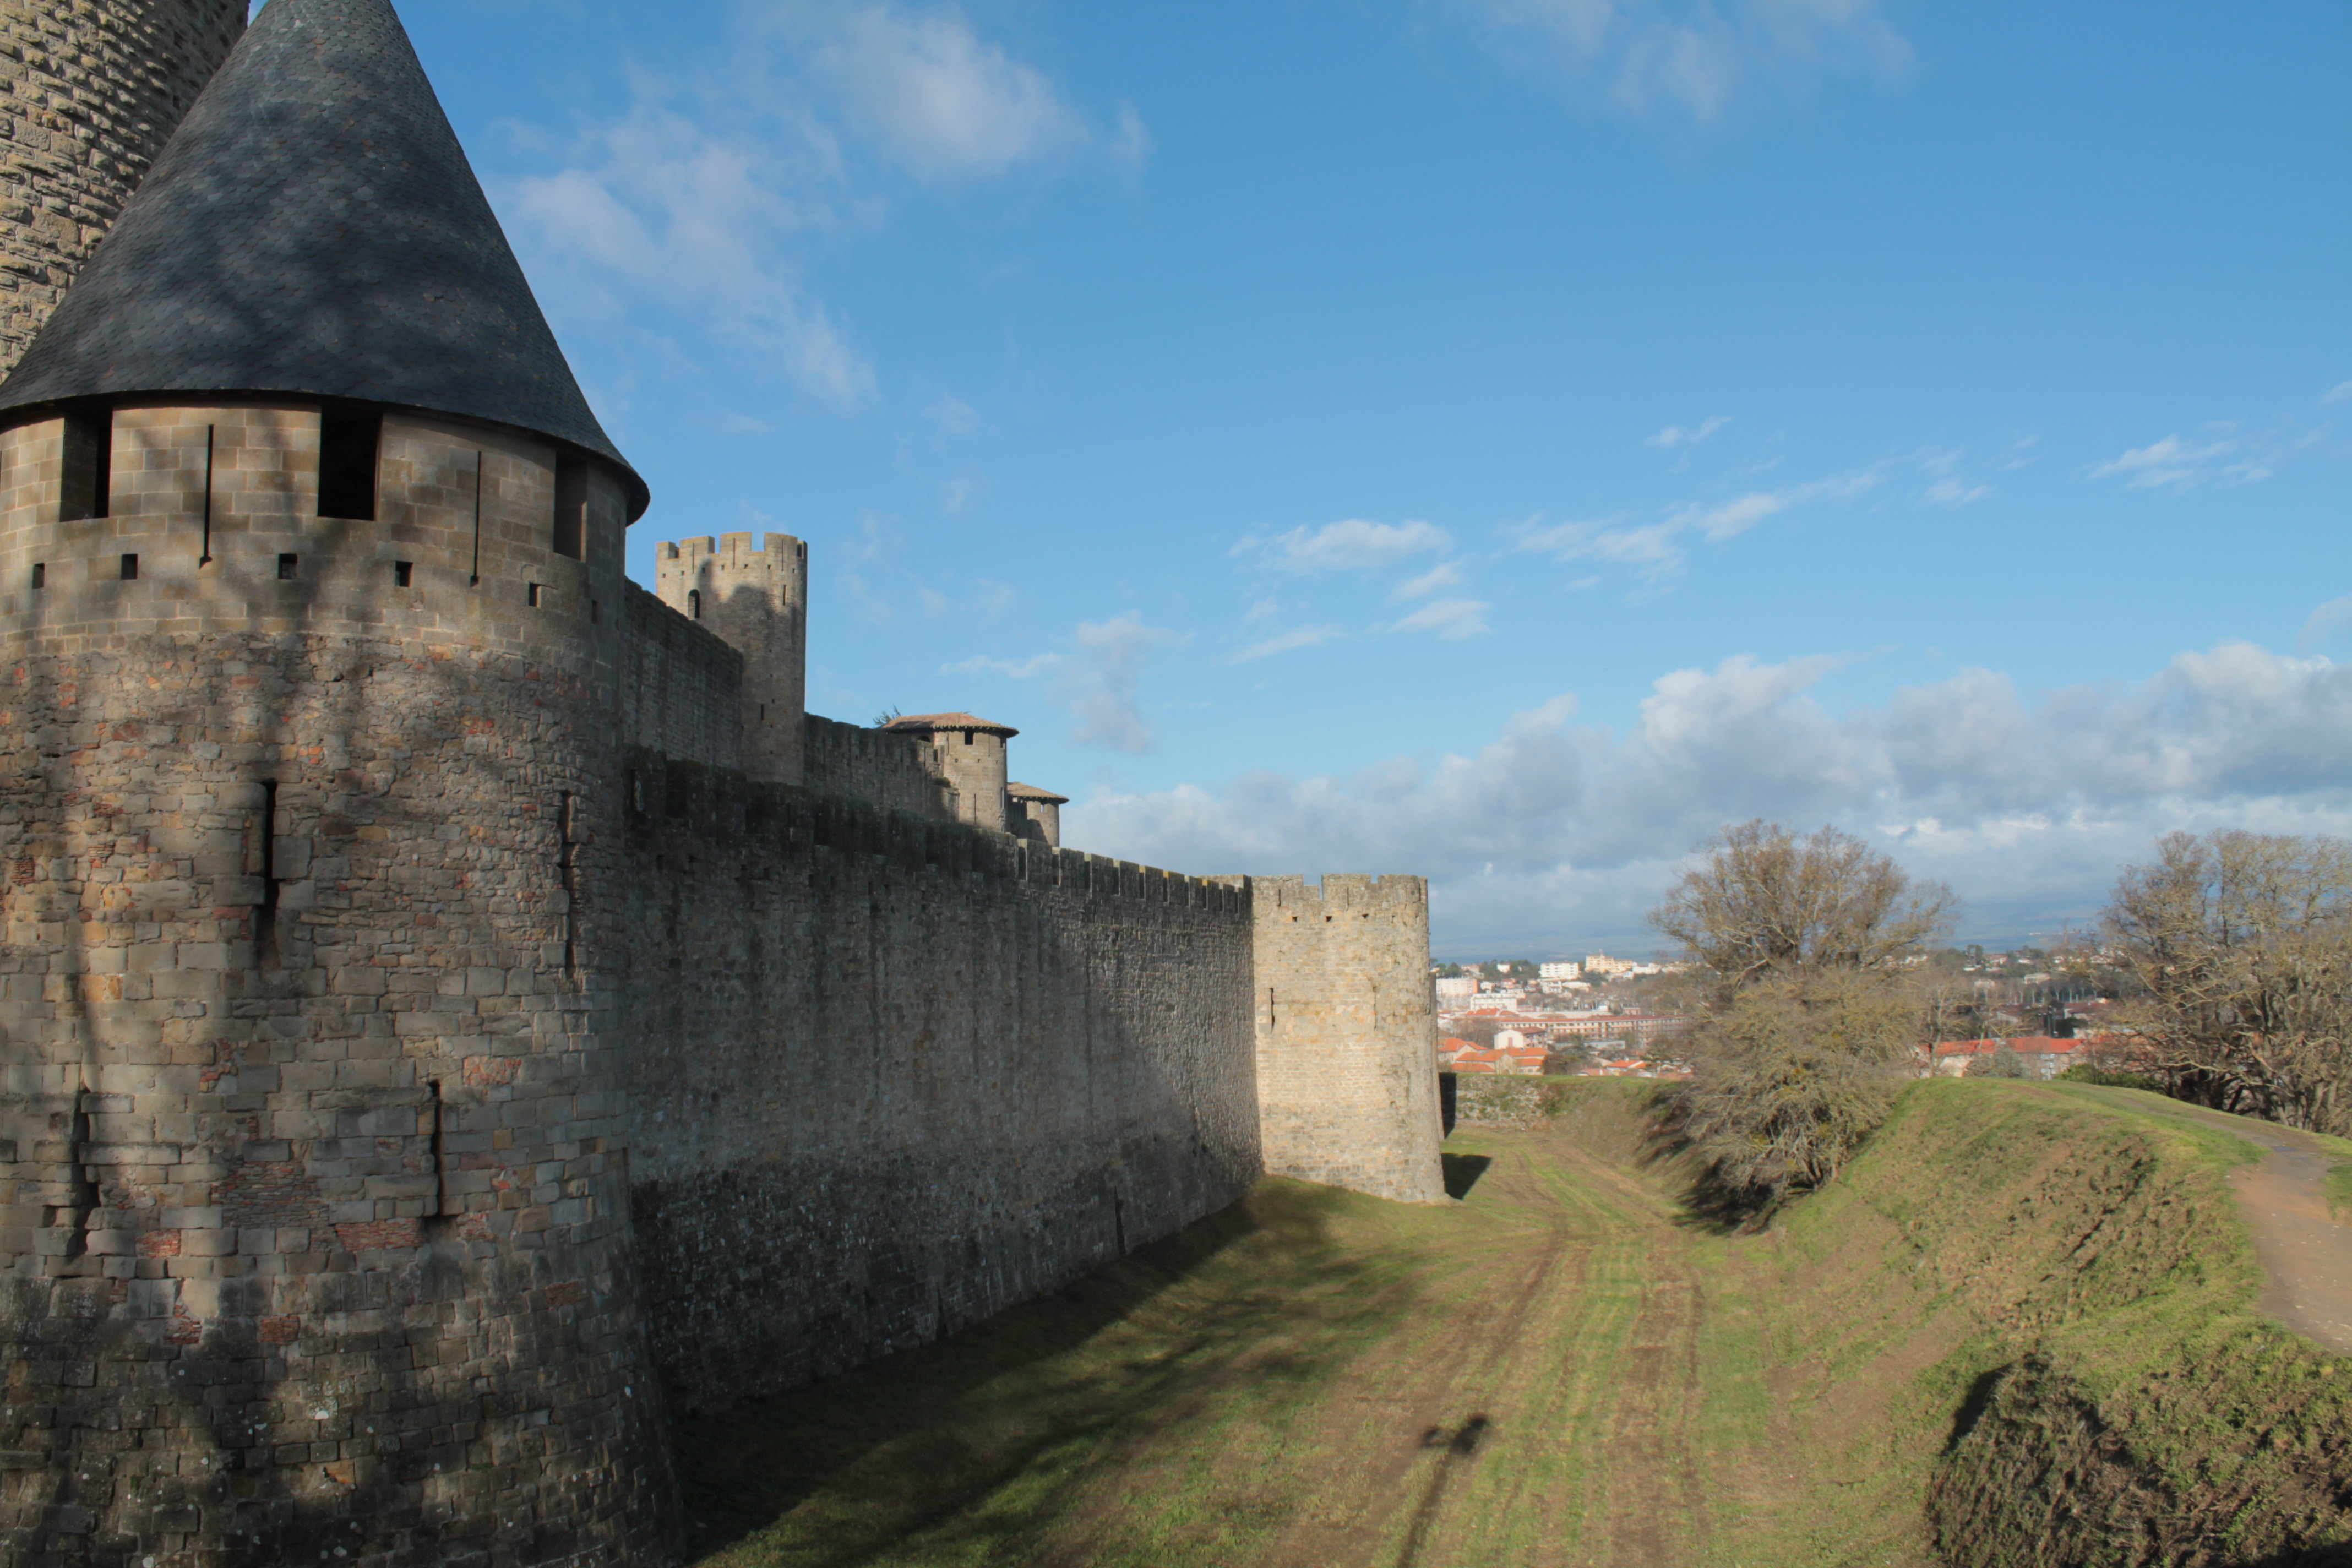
column 969, row 753
column 90, row 94
column 315, row 1235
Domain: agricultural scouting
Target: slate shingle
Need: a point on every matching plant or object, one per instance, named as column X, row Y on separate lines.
column 314, row 227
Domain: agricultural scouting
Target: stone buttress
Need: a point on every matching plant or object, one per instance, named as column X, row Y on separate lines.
column 311, row 1171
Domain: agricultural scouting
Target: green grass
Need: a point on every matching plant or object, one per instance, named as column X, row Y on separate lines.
column 1570, row 1366
column 2339, row 1190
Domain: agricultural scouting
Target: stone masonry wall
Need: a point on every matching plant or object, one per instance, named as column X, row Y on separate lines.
column 890, row 771
column 892, row 1075
column 89, row 94
column 681, row 687
column 313, row 1224
column 1346, row 1061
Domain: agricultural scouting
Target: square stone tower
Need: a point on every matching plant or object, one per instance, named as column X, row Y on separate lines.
column 755, row 598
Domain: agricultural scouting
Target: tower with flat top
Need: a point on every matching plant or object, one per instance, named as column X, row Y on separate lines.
column 755, row 598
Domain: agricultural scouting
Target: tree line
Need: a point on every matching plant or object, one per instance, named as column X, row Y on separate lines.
column 1810, row 993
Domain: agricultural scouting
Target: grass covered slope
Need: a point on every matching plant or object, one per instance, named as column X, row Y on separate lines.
column 2017, row 1330
column 2070, row 1271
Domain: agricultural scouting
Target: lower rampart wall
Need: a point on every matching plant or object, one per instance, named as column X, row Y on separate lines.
column 891, row 771
column 681, row 687
column 889, row 1076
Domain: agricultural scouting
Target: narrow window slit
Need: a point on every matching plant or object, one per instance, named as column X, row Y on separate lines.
column 694, row 604
column 265, row 916
column 404, row 573
column 288, row 567
column 40, row 574
column 130, row 568
column 567, row 872
column 535, row 601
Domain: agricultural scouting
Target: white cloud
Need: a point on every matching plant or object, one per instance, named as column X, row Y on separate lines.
column 1695, row 57
column 952, row 414
column 2328, row 624
column 1099, row 683
column 937, row 98
column 1954, row 492
column 2341, row 391
column 660, row 204
column 706, row 192
column 1556, row 831
column 1286, row 642
column 1659, row 549
column 1675, row 435
column 1444, row 574
column 1104, row 696
column 2171, row 461
column 1352, row 545
column 1011, row 669
column 1452, row 619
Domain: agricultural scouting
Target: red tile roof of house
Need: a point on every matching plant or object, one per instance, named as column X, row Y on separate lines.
column 1030, row 792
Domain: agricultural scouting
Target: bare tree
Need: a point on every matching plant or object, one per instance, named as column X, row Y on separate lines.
column 2243, row 944
column 1765, row 902
column 1805, row 948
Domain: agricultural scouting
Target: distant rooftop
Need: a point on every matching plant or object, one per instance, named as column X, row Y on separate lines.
column 924, row 723
column 1030, row 792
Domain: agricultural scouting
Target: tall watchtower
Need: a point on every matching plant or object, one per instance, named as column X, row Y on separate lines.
column 755, row 598
column 94, row 91
column 310, row 550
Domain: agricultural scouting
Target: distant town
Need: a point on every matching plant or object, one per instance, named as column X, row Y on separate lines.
column 2033, row 1013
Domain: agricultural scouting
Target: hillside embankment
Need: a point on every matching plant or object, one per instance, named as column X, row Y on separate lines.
column 2027, row 1327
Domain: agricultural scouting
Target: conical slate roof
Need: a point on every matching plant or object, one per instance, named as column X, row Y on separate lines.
column 313, row 228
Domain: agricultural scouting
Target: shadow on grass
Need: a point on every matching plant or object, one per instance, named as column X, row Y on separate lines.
column 978, row 1444
column 1462, row 1173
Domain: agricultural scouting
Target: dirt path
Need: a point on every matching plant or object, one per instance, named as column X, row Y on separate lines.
column 2306, row 1251
column 1480, row 1434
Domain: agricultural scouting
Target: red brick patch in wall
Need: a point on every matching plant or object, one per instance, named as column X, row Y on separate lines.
column 160, row 1244
column 282, row 1331
column 256, row 1195
column 491, row 1072
column 184, row 1330
column 375, row 1234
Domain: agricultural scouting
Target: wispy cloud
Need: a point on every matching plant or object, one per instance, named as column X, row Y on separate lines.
column 1452, row 619
column 2171, row 461
column 2331, row 623
column 708, row 188
column 1659, row 549
column 1695, row 58
column 1286, row 642
column 1675, row 435
column 1444, row 574
column 2341, row 393
column 1955, row 492
column 1099, row 682
column 1352, row 545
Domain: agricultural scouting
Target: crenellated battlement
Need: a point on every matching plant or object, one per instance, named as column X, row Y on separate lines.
column 1349, row 890
column 725, row 811
column 755, row 596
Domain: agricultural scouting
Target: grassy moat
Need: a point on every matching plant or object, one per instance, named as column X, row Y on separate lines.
column 2019, row 1330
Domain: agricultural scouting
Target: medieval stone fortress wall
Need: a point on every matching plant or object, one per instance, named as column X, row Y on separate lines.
column 458, row 1009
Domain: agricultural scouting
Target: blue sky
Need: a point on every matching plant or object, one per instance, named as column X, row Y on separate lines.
column 1501, row 439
